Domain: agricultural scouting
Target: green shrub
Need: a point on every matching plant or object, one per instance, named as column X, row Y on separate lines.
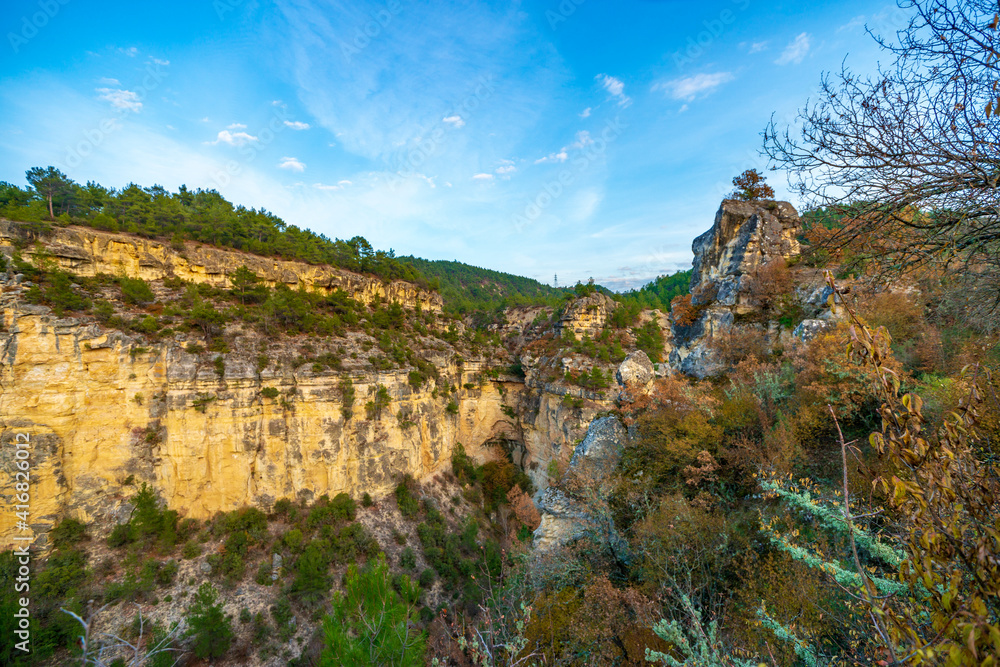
column 67, row 533
column 269, row 392
column 408, row 559
column 135, row 291
column 408, row 505
column 210, row 628
column 191, row 550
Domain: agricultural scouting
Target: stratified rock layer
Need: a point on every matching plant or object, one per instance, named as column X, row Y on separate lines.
column 87, row 252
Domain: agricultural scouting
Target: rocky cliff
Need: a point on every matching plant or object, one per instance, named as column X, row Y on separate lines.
column 745, row 238
column 107, row 410
column 88, row 252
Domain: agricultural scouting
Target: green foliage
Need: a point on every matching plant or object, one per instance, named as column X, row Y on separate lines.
column 380, row 401
column 370, row 624
column 311, row 581
column 135, row 291
column 468, row 289
column 649, row 339
column 269, row 392
column 656, row 294
column 408, row 505
column 208, row 626
column 68, row 532
column 463, row 467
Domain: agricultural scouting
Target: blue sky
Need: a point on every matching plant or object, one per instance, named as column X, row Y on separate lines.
column 580, row 138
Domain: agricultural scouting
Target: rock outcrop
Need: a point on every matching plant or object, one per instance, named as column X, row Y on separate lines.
column 87, row 252
column 745, row 237
column 579, row 504
column 586, row 316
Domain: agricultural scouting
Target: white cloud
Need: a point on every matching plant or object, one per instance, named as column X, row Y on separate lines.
column 291, row 164
column 795, row 51
column 232, row 138
column 121, row 99
column 683, row 108
column 236, row 126
column 757, row 47
column 615, row 88
column 131, row 51
column 689, row 87
column 107, row 81
column 585, row 113
column 339, row 186
column 296, row 125
column 506, row 169
column 454, row 121
column 483, row 177
column 561, row 156
column 206, row 119
column 157, row 61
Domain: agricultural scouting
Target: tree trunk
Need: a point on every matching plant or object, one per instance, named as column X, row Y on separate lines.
column 51, row 214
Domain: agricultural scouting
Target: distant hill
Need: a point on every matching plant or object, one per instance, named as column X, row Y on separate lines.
column 658, row 293
column 467, row 289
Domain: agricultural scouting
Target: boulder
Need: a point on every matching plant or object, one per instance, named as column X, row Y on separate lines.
column 636, row 372
column 809, row 329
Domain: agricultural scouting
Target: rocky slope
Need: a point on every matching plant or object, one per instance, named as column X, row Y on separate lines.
column 88, row 252
column 212, row 432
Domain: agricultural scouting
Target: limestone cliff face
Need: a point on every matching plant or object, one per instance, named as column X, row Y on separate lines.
column 100, row 408
column 744, row 237
column 587, row 315
column 88, row 252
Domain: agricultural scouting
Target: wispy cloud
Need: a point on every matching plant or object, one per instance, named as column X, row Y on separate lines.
column 296, row 125
column 585, row 113
column 291, row 164
column 506, row 169
column 615, row 88
column 108, row 81
column 454, row 121
column 796, row 50
column 157, row 61
column 560, row 156
column 482, row 177
column 757, row 47
column 339, row 186
column 126, row 100
column 236, row 126
column 131, row 51
column 689, row 87
column 232, row 138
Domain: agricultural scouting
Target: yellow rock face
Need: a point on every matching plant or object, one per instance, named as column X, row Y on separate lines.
column 98, row 411
column 88, row 252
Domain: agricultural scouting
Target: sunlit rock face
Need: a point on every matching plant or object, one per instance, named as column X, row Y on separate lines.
column 744, row 237
column 586, row 316
column 87, row 252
